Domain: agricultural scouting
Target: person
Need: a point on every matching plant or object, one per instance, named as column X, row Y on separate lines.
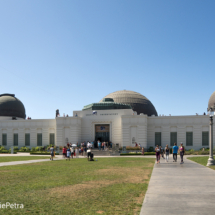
column 143, row 151
column 82, row 151
column 77, row 152
column 175, row 151
column 88, row 144
column 92, row 145
column 103, row 146
column 88, row 154
column 162, row 151
column 167, row 152
column 85, row 151
column 64, row 152
column 139, row 146
column 99, row 145
column 68, row 153
column 72, row 151
column 157, row 150
column 182, row 151
column 52, row 152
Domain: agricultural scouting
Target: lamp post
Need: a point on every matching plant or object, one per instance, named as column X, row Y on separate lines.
column 211, row 158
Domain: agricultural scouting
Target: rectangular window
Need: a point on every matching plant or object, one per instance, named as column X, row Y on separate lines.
column 173, row 138
column 189, row 138
column 39, row 139
column 157, row 138
column 51, row 139
column 15, row 139
column 4, row 139
column 27, row 139
column 205, row 138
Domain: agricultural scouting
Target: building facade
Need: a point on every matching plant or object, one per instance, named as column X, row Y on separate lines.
column 125, row 118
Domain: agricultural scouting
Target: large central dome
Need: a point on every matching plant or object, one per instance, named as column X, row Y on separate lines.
column 138, row 102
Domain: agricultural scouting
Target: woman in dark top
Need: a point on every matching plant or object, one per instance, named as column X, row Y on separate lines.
column 167, row 152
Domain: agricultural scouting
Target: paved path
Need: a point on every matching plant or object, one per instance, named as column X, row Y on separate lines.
column 176, row 188
column 11, row 163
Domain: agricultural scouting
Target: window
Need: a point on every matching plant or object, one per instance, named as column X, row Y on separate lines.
column 15, row 139
column 205, row 138
column 173, row 138
column 157, row 138
column 27, row 139
column 189, row 138
column 4, row 139
column 51, row 139
column 39, row 139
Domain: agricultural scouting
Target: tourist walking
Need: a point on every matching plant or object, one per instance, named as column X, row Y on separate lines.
column 64, row 152
column 143, row 151
column 68, row 153
column 52, row 152
column 99, row 145
column 77, row 152
column 162, row 152
column 72, row 151
column 182, row 151
column 157, row 150
column 167, row 152
column 175, row 151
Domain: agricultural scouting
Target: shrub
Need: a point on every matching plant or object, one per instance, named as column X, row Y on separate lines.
column 132, row 148
column 33, row 149
column 2, row 148
column 41, row 153
column 24, row 149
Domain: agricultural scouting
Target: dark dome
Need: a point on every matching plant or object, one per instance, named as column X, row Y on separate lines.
column 138, row 102
column 211, row 103
column 11, row 106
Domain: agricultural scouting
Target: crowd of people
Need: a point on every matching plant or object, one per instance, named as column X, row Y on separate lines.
column 160, row 152
column 74, row 150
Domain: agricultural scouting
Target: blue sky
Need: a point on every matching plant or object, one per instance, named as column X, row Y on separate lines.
column 67, row 54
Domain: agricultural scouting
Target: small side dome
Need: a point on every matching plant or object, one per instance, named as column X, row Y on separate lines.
column 211, row 103
column 11, row 106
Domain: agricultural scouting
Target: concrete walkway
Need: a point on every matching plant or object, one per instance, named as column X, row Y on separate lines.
column 176, row 188
column 11, row 163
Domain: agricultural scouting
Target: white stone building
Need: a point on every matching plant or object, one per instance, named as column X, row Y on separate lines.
column 123, row 117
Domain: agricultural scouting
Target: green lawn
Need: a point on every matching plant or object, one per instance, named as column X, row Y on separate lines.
column 202, row 160
column 107, row 186
column 21, row 158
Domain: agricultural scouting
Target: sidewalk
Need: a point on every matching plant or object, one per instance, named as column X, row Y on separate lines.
column 176, row 188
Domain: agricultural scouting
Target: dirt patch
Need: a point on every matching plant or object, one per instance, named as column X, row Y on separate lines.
column 99, row 212
column 127, row 175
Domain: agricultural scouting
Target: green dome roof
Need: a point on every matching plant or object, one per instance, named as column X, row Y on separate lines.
column 11, row 106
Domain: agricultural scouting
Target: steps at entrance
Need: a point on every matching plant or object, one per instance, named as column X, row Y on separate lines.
column 96, row 152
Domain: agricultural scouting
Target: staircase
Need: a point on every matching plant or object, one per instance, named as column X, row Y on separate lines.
column 96, row 152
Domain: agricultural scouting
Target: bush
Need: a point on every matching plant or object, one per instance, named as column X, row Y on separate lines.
column 24, row 149
column 132, row 148
column 33, row 149
column 2, row 148
column 41, row 153
column 151, row 149
column 5, row 151
column 138, row 153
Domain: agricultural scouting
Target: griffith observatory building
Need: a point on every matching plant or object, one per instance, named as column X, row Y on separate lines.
column 122, row 117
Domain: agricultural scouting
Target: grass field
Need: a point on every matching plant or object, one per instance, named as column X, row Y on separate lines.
column 202, row 160
column 107, row 186
column 21, row 158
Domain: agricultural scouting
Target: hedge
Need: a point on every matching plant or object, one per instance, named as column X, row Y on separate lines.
column 6, row 152
column 41, row 153
column 146, row 153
